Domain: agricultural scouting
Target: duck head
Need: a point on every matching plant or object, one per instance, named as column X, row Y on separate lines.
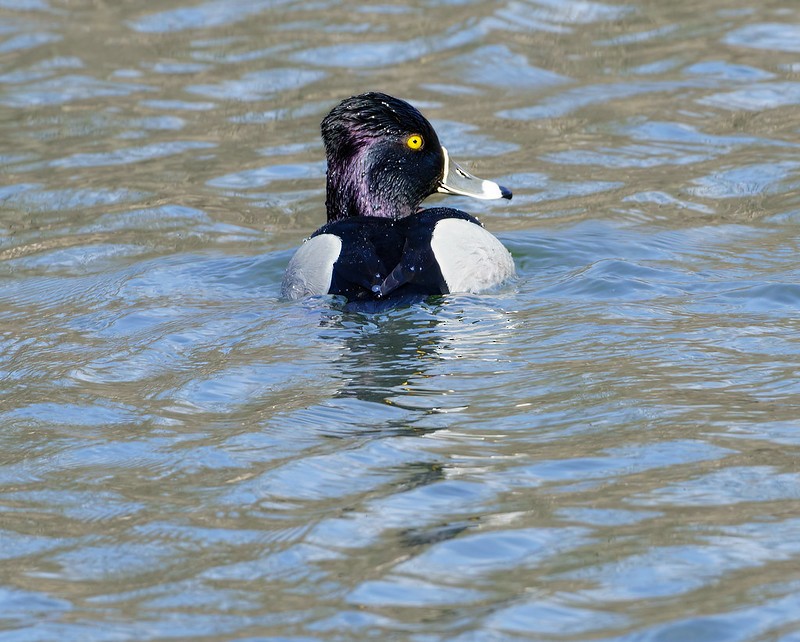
column 384, row 158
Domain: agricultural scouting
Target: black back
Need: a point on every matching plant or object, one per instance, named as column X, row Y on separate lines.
column 382, row 257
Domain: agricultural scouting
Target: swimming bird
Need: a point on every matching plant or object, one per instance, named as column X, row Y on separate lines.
column 384, row 158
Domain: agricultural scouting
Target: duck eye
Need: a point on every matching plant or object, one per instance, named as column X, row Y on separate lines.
column 415, row 141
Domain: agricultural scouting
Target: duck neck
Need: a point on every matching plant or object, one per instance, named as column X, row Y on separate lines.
column 352, row 190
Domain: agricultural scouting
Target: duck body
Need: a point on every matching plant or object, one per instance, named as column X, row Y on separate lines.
column 384, row 158
column 434, row 251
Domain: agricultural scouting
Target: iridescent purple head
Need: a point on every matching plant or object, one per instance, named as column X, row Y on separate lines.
column 384, row 158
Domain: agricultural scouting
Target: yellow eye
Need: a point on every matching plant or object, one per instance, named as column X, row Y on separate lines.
column 415, row 141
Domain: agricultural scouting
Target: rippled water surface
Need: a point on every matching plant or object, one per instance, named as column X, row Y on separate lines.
column 605, row 449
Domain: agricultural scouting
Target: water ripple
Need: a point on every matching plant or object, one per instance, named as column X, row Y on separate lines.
column 258, row 85
column 603, row 448
column 216, row 13
column 57, row 91
column 772, row 36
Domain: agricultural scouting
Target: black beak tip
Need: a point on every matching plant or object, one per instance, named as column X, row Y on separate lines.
column 505, row 192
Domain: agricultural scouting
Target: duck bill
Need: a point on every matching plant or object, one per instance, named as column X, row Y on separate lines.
column 457, row 180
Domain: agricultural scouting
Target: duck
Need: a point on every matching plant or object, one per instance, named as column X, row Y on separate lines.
column 383, row 159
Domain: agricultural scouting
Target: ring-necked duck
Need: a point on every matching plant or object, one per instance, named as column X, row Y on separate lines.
column 384, row 158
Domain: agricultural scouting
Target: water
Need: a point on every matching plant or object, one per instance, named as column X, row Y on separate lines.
column 605, row 449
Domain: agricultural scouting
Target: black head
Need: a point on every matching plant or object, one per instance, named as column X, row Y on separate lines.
column 383, row 156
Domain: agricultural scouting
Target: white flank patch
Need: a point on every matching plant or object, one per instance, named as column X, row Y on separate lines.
column 311, row 268
column 470, row 258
